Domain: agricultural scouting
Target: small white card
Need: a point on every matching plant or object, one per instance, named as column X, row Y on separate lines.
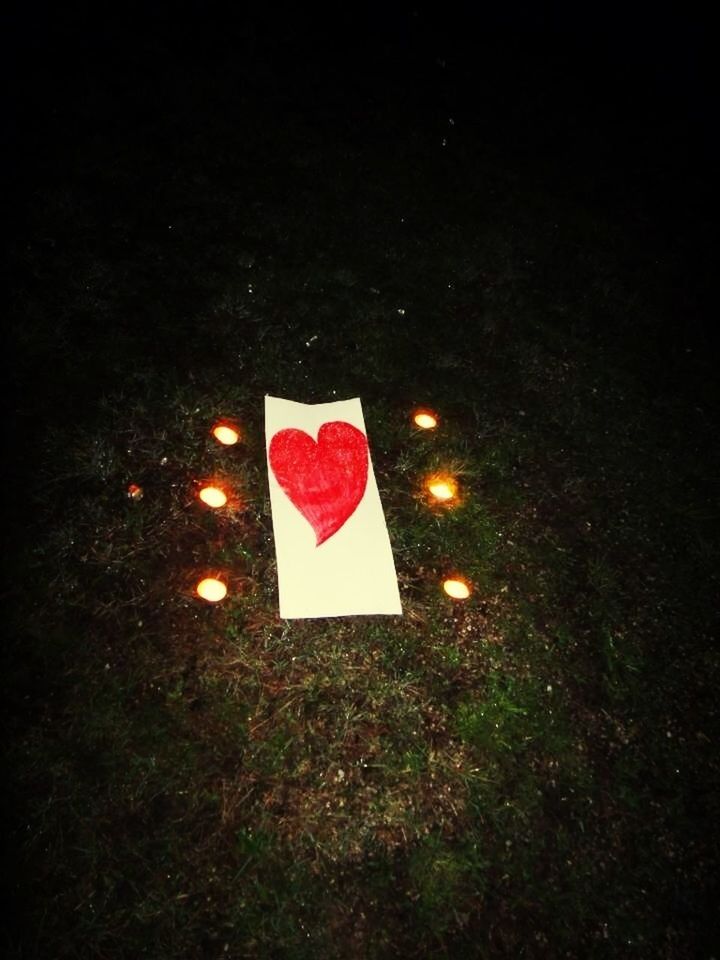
column 333, row 550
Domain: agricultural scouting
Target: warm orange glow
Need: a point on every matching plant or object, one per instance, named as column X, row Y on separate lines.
column 211, row 589
column 225, row 434
column 442, row 488
column 426, row 421
column 457, row 589
column 135, row 492
column 213, row 496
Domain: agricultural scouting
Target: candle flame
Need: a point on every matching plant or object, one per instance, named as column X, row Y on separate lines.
column 211, row 589
column 424, row 420
column 442, row 488
column 225, row 434
column 457, row 589
column 213, row 496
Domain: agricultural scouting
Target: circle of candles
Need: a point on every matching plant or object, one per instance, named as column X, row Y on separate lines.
column 425, row 420
column 457, row 589
column 225, row 434
column 211, row 589
column 213, row 497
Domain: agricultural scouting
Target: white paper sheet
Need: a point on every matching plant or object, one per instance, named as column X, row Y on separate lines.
column 327, row 566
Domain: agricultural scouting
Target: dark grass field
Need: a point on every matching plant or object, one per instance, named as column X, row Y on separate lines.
column 503, row 217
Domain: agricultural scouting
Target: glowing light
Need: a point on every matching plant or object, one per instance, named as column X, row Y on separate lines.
column 213, row 496
column 442, row 488
column 426, row 421
column 225, row 434
column 135, row 492
column 211, row 589
column 457, row 589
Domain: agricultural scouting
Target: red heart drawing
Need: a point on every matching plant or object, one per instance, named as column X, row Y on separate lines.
column 324, row 479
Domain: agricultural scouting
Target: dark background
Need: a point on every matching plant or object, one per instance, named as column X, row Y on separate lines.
column 607, row 107
column 642, row 75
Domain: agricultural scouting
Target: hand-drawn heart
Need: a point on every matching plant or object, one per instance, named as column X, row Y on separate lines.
column 326, row 479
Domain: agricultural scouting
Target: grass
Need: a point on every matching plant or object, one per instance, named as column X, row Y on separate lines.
column 529, row 774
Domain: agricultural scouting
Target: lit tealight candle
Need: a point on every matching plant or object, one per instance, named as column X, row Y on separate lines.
column 213, row 496
column 442, row 488
column 457, row 589
column 211, row 589
column 424, row 420
column 225, row 434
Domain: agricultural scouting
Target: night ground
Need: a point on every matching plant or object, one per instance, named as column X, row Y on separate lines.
column 499, row 215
